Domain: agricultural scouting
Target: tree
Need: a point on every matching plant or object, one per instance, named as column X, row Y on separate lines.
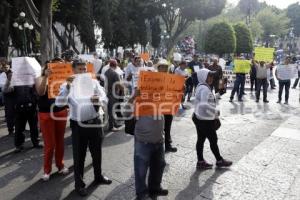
column 293, row 12
column 244, row 43
column 274, row 23
column 155, row 33
column 177, row 15
column 248, row 7
column 256, row 30
column 220, row 39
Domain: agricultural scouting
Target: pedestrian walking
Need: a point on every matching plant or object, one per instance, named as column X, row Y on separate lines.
column 206, row 120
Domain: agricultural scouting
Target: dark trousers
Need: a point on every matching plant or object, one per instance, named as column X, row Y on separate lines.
column 150, row 157
column 215, row 85
column 239, row 86
column 168, row 124
column 297, row 80
column 272, row 83
column 284, row 84
column 22, row 116
column 111, row 112
column 205, row 130
column 253, row 83
column 189, row 87
column 9, row 108
column 262, row 83
column 83, row 137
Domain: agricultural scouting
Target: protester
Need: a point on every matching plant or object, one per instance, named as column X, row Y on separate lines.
column 218, row 75
column 132, row 72
column 181, row 70
column 262, row 80
column 163, row 66
column 271, row 76
column 85, row 125
column 297, row 79
column 284, row 83
column 25, row 111
column 204, row 118
column 149, row 153
column 53, row 124
column 113, row 90
column 253, row 81
column 239, row 86
column 195, row 65
column 8, row 99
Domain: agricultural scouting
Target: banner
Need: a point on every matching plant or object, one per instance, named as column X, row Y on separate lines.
column 242, row 66
column 231, row 76
column 286, row 72
column 264, row 54
column 161, row 93
column 60, row 72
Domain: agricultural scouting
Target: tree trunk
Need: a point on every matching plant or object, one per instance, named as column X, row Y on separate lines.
column 46, row 30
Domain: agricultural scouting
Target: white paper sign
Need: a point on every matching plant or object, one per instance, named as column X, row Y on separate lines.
column 286, row 72
column 3, row 79
column 83, row 86
column 231, row 77
column 196, row 68
column 86, row 57
column 22, row 79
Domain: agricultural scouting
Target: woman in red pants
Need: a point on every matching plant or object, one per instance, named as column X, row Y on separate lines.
column 52, row 123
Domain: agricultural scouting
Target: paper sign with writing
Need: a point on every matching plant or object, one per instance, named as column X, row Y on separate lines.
column 264, row 54
column 242, row 66
column 161, row 93
column 145, row 56
column 286, row 72
column 60, row 72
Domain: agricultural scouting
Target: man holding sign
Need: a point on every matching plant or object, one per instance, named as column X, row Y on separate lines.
column 84, row 96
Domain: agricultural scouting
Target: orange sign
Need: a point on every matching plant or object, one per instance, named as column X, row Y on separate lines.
column 60, row 72
column 145, row 56
column 161, row 94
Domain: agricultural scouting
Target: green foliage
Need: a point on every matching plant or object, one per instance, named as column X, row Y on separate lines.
column 244, row 43
column 220, row 39
column 293, row 12
column 273, row 22
column 155, row 33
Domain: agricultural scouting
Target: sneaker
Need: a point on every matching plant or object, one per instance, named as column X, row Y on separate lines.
column 203, row 165
column 256, row 100
column 240, row 100
column 286, row 102
column 63, row 171
column 266, row 101
column 46, row 177
column 223, row 163
column 279, row 101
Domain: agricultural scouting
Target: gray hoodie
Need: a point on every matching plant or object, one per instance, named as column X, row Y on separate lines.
column 205, row 102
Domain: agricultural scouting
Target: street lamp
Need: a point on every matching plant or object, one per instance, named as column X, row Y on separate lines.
column 22, row 24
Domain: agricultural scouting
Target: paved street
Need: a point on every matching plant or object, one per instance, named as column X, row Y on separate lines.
column 263, row 140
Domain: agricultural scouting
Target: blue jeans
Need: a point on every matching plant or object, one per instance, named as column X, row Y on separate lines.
column 286, row 84
column 239, row 86
column 152, row 157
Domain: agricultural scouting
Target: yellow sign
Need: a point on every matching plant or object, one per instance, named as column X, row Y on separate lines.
column 264, row 54
column 161, row 94
column 242, row 66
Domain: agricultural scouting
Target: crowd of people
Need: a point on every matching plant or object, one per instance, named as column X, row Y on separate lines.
column 116, row 80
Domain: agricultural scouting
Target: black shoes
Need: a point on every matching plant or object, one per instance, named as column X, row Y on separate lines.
column 158, row 192
column 266, row 101
column 223, row 163
column 170, row 149
column 81, row 192
column 103, row 180
column 38, row 146
column 19, row 149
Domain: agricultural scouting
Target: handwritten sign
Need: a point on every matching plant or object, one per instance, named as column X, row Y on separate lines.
column 25, row 70
column 161, row 93
column 145, row 56
column 242, row 66
column 264, row 54
column 287, row 72
column 231, row 77
column 60, row 72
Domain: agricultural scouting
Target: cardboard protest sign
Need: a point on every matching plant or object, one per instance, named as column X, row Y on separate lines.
column 231, row 77
column 145, row 56
column 286, row 72
column 60, row 72
column 242, row 66
column 25, row 70
column 161, row 93
column 264, row 54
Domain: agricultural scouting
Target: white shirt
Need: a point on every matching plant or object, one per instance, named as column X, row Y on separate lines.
column 134, row 71
column 181, row 72
column 80, row 109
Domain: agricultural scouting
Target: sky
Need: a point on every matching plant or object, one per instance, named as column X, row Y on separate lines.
column 278, row 3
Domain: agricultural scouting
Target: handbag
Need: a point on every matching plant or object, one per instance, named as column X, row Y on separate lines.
column 217, row 124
